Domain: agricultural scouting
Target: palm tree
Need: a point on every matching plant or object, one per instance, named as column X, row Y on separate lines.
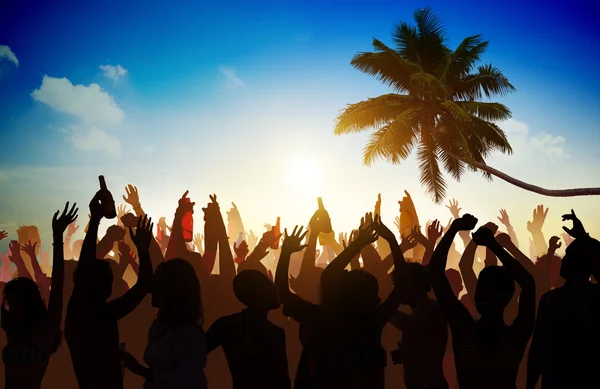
column 435, row 107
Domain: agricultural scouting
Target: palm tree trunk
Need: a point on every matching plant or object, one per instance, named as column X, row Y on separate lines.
column 523, row 185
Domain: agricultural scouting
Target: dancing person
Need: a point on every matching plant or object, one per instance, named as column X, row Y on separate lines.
column 487, row 352
column 566, row 339
column 254, row 346
column 176, row 351
column 32, row 331
column 91, row 324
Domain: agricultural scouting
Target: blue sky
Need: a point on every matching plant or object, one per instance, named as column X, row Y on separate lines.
column 228, row 96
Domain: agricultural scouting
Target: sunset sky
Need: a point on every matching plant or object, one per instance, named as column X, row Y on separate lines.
column 239, row 99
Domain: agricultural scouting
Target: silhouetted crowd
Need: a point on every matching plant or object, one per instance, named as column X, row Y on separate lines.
column 167, row 309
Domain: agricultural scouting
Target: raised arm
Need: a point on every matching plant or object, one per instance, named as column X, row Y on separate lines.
column 388, row 307
column 505, row 219
column 123, row 305
column 88, row 248
column 212, row 214
column 40, row 278
column 113, row 234
column 59, row 225
column 177, row 247
column 526, row 315
column 506, row 241
column 293, row 305
column 434, row 233
column 14, row 248
column 366, row 235
column 535, row 228
column 308, row 259
column 466, row 268
column 455, row 312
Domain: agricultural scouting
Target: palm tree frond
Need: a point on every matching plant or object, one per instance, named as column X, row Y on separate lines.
column 429, row 25
column 393, row 141
column 406, row 38
column 455, row 110
column 486, row 110
column 371, row 113
column 489, row 81
column 431, row 176
column 427, row 84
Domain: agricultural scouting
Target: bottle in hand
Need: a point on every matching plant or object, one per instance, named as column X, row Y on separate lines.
column 107, row 201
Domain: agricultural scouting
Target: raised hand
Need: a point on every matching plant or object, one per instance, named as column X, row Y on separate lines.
column 133, row 197
column 15, row 252
column 484, row 237
column 143, row 233
column 434, row 231
column 407, row 243
column 454, row 209
column 72, row 229
column 397, row 222
column 198, row 239
column 3, row 234
column 378, row 205
column 233, row 214
column 251, row 238
column 417, row 236
column 241, row 251
column 367, row 220
column 578, row 231
column 270, row 237
column 60, row 223
column 96, row 207
column 539, row 217
column 293, row 243
column 121, row 210
column 554, row 244
column 366, row 234
column 465, row 223
column 382, row 230
column 29, row 248
column 186, row 205
column 503, row 218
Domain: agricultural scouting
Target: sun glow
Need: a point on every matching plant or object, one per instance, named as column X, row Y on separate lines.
column 304, row 174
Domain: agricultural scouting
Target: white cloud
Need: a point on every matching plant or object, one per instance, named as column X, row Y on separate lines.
column 7, row 53
column 523, row 142
column 113, row 72
column 229, row 73
column 551, row 146
column 88, row 103
column 94, row 139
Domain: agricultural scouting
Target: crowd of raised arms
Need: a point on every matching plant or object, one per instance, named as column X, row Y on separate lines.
column 369, row 310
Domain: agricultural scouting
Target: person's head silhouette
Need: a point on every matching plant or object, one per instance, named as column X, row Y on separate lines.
column 356, row 294
column 455, row 280
column 416, row 283
column 95, row 279
column 495, row 288
column 176, row 294
column 576, row 265
column 23, row 309
column 255, row 291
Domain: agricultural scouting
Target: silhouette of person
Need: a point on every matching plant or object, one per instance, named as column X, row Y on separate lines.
column 91, row 324
column 254, row 347
column 487, row 351
column 342, row 336
column 424, row 332
column 564, row 349
column 176, row 351
column 32, row 331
